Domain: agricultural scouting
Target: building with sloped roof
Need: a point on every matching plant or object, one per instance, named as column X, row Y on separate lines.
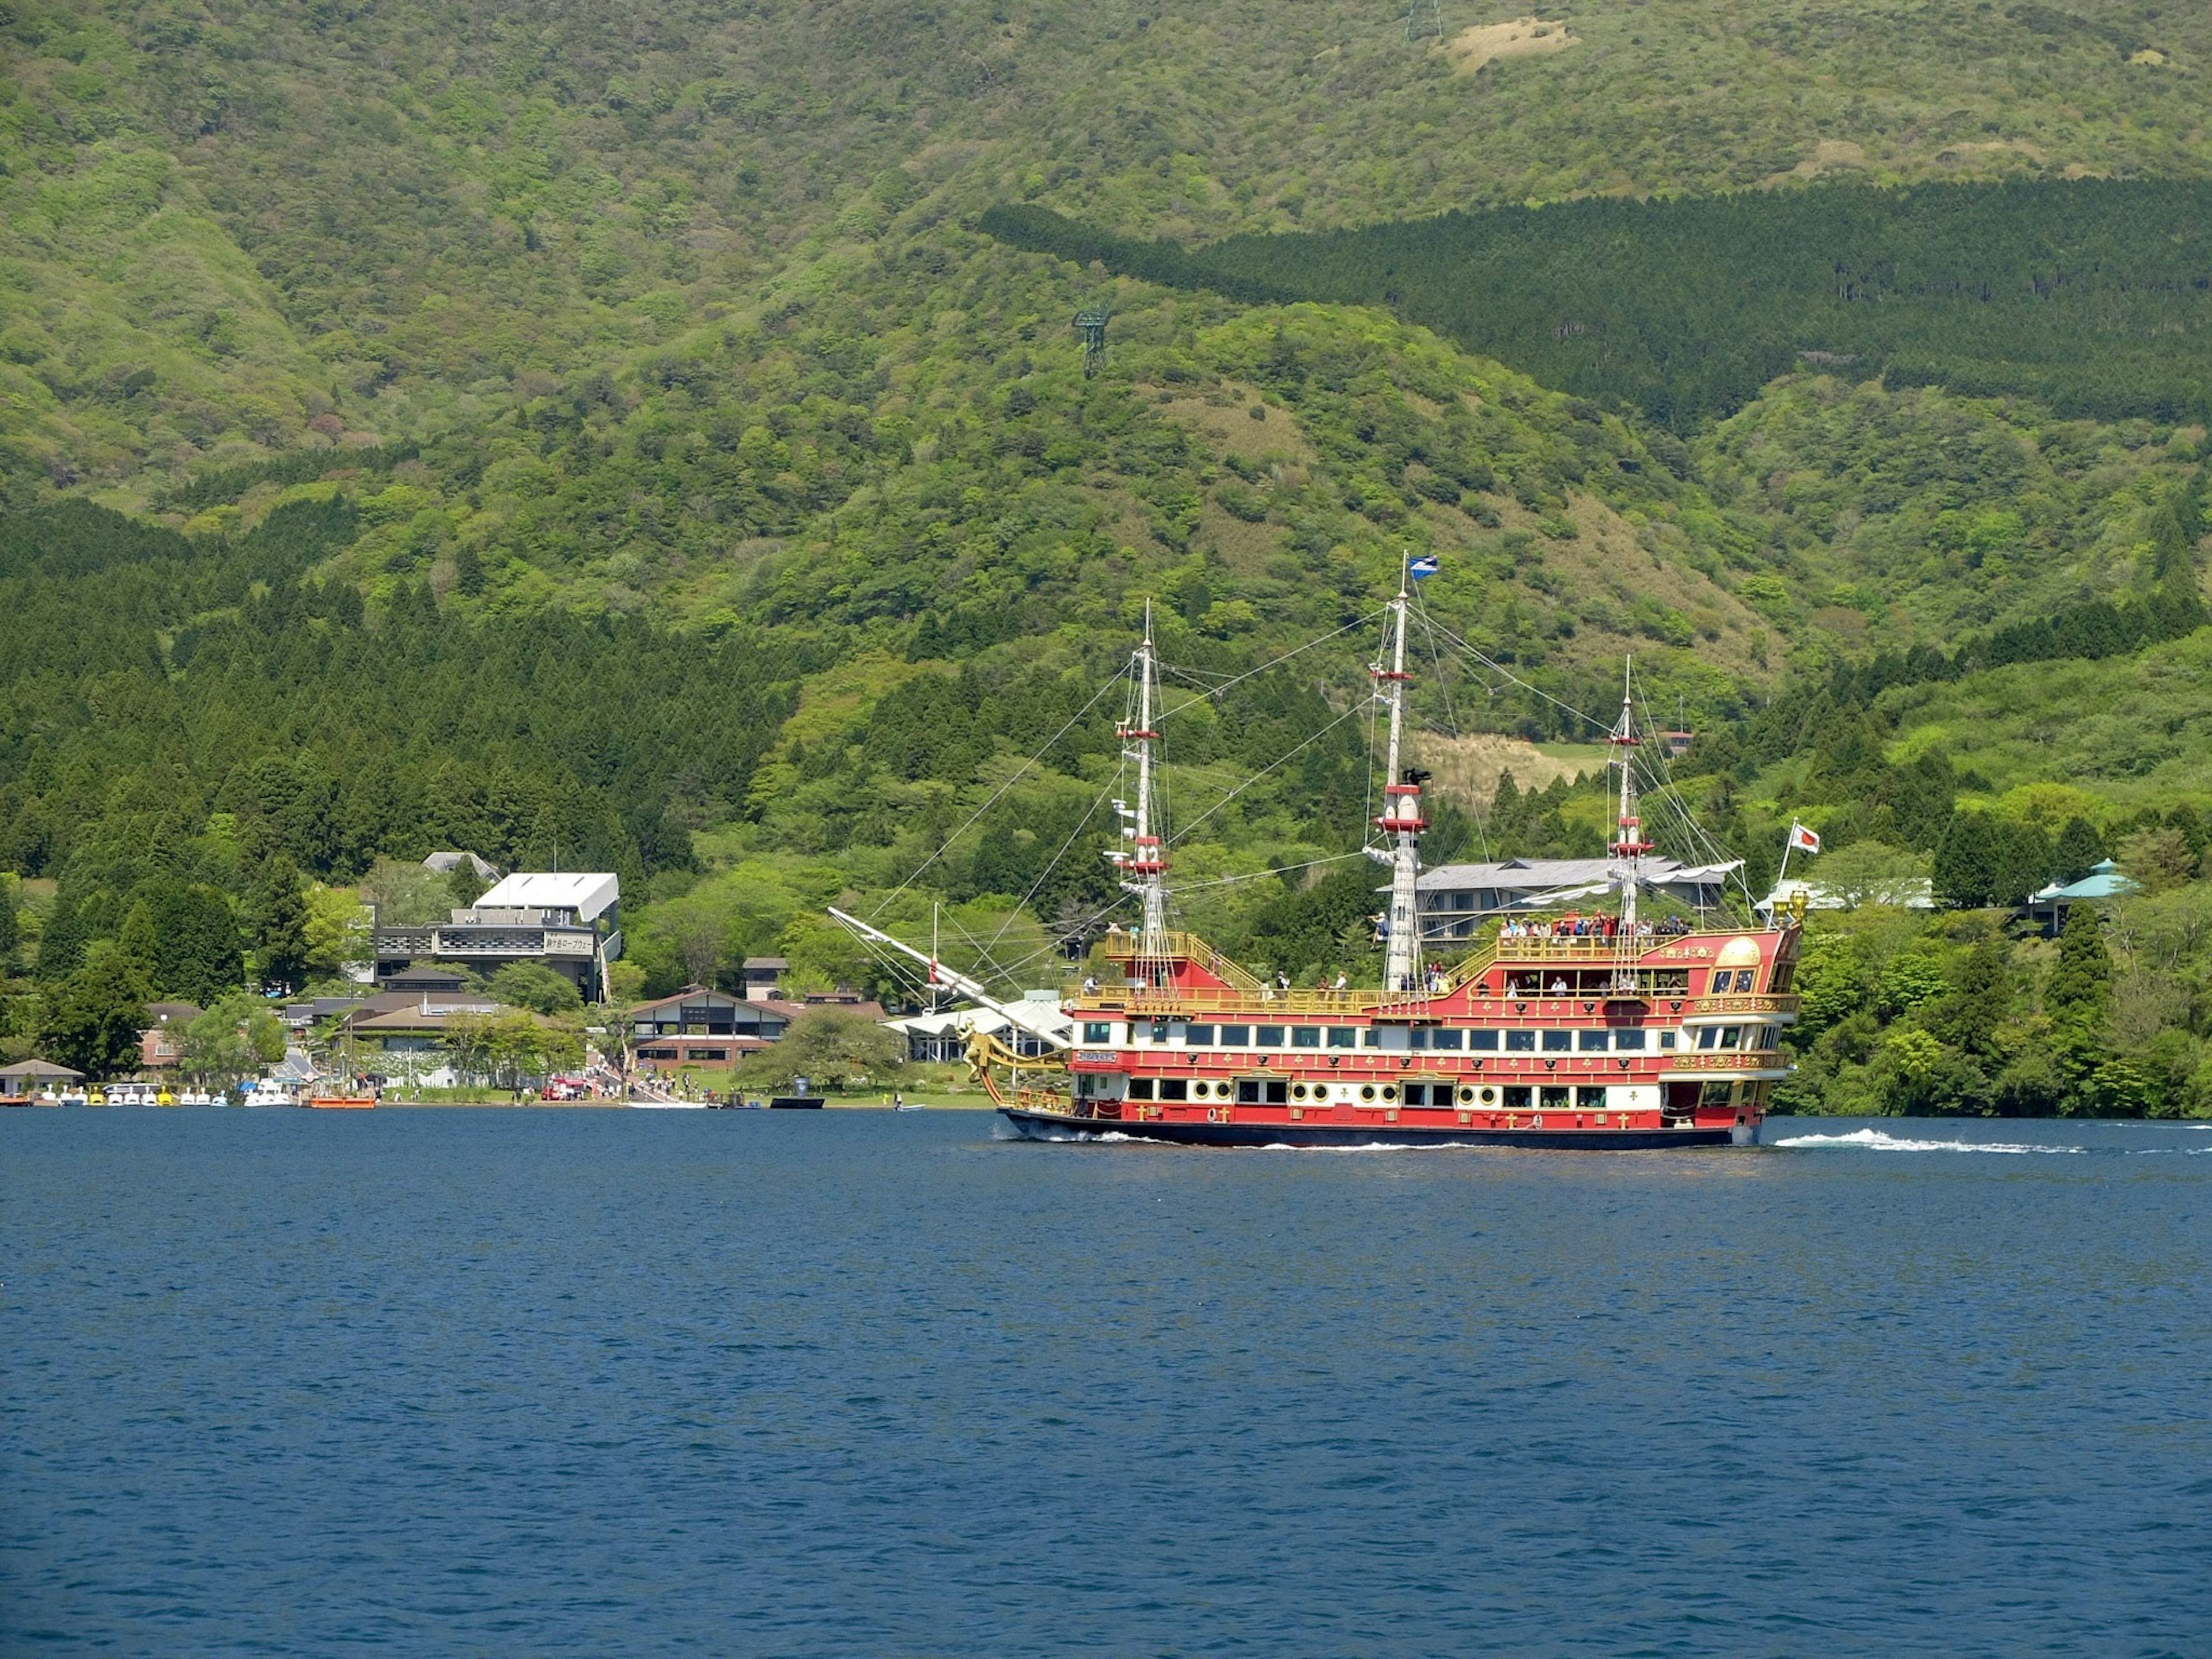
column 571, row 923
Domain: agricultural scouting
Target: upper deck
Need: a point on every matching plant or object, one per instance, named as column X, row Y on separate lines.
column 1699, row 976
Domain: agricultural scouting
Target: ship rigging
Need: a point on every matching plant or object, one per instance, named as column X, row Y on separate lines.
column 1588, row 1028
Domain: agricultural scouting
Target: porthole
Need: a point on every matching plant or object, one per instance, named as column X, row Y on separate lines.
column 1389, row 1092
column 1489, row 1096
column 1298, row 1092
column 1466, row 1096
column 1367, row 1091
column 1202, row 1090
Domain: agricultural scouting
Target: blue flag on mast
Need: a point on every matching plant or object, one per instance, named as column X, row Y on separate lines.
column 1426, row 564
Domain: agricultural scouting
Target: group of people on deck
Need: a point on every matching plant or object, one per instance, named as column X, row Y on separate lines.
column 1578, row 926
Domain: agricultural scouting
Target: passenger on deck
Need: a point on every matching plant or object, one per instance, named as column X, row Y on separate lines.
column 1560, row 986
column 1342, row 983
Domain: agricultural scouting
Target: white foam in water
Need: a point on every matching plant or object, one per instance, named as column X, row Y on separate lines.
column 1881, row 1140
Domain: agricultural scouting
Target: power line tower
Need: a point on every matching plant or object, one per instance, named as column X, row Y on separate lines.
column 1424, row 19
column 1091, row 324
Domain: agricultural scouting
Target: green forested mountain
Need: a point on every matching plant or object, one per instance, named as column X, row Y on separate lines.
column 612, row 435
column 2090, row 296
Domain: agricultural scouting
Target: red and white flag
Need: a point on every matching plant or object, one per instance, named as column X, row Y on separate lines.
column 1802, row 840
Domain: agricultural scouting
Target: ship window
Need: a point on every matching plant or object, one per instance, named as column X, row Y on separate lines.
column 1174, row 1088
column 1590, row 1098
column 1277, row 1091
column 1417, row 1094
column 1097, row 1030
column 1445, row 1039
column 1271, row 1036
column 1731, row 1036
column 1590, row 1040
column 1343, row 1037
column 1558, row 1041
column 1198, row 1036
column 1665, row 1039
column 1367, row 1091
column 1554, row 1097
column 1305, row 1036
column 1743, row 979
column 1628, row 1039
column 1235, row 1037
column 1486, row 1040
column 1141, row 1088
column 1521, row 1042
column 1518, row 1099
column 1417, row 1036
column 1248, row 1091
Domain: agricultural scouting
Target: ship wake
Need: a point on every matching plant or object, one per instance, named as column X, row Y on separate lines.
column 1881, row 1140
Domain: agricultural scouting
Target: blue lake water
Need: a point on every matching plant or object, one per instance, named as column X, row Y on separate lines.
column 580, row 1382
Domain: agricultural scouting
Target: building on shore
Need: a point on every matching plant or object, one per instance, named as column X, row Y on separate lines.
column 569, row 923
column 161, row 1044
column 701, row 1027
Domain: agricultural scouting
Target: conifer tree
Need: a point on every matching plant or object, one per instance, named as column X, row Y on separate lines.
column 2080, row 850
column 1964, row 872
column 2022, row 862
column 140, row 943
column 279, row 925
column 97, row 1013
column 2080, row 985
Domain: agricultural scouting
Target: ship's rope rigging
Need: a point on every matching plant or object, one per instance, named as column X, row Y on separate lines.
column 1441, row 641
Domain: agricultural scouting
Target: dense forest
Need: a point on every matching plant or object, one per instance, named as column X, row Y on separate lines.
column 2093, row 297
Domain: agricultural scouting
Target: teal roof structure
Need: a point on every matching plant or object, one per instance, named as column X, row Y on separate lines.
column 2104, row 881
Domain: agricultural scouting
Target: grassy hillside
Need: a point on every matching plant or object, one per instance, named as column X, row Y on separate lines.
column 445, row 210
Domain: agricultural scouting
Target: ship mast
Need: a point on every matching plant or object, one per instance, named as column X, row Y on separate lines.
column 1146, row 859
column 1401, row 821
column 1629, row 845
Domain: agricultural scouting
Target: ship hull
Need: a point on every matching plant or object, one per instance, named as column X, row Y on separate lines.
column 1052, row 1126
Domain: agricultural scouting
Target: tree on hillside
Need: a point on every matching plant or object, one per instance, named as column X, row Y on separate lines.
column 1964, row 872
column 196, row 952
column 2158, row 859
column 11, row 934
column 831, row 1048
column 140, row 945
column 534, row 986
column 94, row 1017
column 1868, row 873
column 279, row 925
column 233, row 1039
column 2080, row 850
column 2080, row 990
column 2022, row 861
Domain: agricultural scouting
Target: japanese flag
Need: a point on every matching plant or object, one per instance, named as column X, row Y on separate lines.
column 1802, row 840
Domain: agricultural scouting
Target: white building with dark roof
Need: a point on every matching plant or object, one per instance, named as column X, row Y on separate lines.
column 569, row 923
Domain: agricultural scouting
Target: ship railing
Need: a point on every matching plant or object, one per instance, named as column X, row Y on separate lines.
column 1188, row 947
column 1262, row 1002
column 1765, row 1061
column 1778, row 1004
column 1591, row 947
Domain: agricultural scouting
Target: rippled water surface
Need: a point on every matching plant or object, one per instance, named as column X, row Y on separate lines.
column 642, row 1384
